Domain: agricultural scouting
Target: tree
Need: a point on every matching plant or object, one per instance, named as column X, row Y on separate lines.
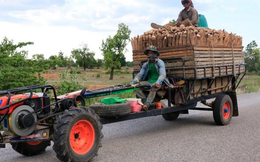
column 113, row 48
column 65, row 61
column 252, row 57
column 173, row 21
column 38, row 57
column 99, row 63
column 68, row 62
column 61, row 55
column 55, row 61
column 122, row 60
column 16, row 70
column 60, row 61
column 84, row 58
column 129, row 64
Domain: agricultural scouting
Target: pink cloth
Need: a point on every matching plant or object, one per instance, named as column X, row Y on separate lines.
column 191, row 4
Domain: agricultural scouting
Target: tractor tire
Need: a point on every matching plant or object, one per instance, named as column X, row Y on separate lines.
column 171, row 116
column 222, row 109
column 114, row 110
column 77, row 135
column 30, row 148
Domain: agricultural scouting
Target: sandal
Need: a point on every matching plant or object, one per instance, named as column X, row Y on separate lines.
column 145, row 107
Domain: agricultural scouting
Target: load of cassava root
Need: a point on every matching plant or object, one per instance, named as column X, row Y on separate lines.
column 177, row 37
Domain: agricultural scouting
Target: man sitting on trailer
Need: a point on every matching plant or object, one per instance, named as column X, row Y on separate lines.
column 189, row 15
column 154, row 72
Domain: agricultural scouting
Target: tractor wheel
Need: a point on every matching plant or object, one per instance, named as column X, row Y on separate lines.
column 30, row 148
column 77, row 135
column 222, row 109
column 113, row 110
column 171, row 116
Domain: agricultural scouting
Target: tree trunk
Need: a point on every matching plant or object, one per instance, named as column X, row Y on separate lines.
column 111, row 73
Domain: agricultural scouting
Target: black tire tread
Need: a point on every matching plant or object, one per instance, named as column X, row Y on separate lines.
column 61, row 129
column 171, row 116
column 217, row 109
column 113, row 110
column 30, row 150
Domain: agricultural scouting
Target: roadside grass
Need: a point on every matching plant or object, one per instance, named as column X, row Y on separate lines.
column 250, row 83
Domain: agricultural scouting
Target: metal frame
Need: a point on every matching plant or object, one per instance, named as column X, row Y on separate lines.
column 190, row 104
column 149, row 113
column 29, row 90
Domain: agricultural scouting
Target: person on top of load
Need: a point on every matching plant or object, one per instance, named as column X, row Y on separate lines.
column 188, row 16
column 154, row 72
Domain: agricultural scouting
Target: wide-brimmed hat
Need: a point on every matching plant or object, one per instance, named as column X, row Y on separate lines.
column 151, row 48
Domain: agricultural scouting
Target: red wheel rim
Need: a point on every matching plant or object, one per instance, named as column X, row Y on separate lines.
column 226, row 110
column 82, row 137
column 34, row 143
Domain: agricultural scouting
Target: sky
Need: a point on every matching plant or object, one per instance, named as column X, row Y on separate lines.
column 64, row 25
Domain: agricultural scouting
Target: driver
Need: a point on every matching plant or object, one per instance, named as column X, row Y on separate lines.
column 153, row 71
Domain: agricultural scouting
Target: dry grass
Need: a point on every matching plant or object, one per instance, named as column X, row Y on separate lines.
column 91, row 78
column 250, row 83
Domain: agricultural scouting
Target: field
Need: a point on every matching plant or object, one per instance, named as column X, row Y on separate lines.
column 91, row 78
column 97, row 78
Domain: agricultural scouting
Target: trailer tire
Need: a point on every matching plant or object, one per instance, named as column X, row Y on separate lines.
column 222, row 109
column 113, row 110
column 171, row 116
column 77, row 135
column 30, row 148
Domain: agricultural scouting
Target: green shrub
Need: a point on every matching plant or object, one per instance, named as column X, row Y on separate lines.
column 68, row 83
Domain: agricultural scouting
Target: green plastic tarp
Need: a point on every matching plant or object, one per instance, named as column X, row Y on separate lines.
column 112, row 100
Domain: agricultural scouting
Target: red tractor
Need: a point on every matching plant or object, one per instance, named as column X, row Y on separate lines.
column 30, row 119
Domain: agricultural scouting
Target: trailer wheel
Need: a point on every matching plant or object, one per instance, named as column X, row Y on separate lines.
column 77, row 135
column 30, row 148
column 171, row 116
column 113, row 110
column 222, row 109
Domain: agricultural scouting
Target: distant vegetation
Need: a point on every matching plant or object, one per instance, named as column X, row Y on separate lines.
column 19, row 71
column 252, row 58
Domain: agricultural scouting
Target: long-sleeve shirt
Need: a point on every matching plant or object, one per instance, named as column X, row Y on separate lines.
column 190, row 14
column 160, row 66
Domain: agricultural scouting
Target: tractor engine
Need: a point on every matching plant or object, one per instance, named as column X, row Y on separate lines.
column 21, row 121
column 23, row 116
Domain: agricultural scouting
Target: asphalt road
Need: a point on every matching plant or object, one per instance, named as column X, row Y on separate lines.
column 191, row 138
